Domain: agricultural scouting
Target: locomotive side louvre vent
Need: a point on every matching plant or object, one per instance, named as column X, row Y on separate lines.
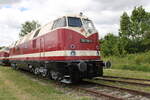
column 25, row 46
column 34, row 43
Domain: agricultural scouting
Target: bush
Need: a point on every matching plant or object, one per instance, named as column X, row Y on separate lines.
column 136, row 67
column 139, row 62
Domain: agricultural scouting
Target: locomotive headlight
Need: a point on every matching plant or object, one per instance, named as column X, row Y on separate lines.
column 72, row 53
column 97, row 47
column 72, row 46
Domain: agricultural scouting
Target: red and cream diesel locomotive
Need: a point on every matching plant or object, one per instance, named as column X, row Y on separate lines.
column 4, row 56
column 66, row 49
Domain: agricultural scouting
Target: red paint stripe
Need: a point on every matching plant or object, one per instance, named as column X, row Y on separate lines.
column 59, row 58
column 3, row 58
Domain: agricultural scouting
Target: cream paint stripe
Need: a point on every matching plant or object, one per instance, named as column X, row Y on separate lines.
column 3, row 57
column 59, row 53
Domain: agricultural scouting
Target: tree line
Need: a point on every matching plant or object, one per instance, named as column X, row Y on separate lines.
column 133, row 37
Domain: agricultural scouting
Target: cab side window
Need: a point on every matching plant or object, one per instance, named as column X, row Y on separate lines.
column 36, row 33
column 61, row 22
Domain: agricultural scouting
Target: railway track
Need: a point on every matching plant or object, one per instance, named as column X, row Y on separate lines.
column 99, row 94
column 123, row 81
column 139, row 79
column 77, row 87
column 114, row 94
column 111, row 93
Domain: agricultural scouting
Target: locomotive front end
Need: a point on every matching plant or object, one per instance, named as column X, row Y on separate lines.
column 81, row 43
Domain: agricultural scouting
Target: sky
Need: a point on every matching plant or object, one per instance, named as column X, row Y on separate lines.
column 104, row 13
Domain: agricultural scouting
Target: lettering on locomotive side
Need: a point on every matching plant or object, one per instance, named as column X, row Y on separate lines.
column 85, row 41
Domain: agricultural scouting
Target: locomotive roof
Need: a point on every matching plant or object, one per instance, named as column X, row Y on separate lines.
column 6, row 49
column 78, row 15
column 43, row 30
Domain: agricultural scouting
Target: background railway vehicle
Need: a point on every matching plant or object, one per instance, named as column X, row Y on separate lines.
column 66, row 49
column 4, row 54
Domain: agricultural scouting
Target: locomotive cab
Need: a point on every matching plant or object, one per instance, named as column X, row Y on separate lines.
column 75, row 22
column 82, row 23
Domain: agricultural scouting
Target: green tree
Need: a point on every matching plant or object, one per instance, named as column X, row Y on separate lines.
column 0, row 47
column 134, row 34
column 146, row 35
column 109, row 45
column 124, row 33
column 28, row 26
column 139, row 18
column 3, row 47
column 125, row 26
column 134, row 29
column 146, row 41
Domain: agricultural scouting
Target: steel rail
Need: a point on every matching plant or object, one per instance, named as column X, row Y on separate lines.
column 127, row 78
column 99, row 94
column 146, row 94
column 121, row 81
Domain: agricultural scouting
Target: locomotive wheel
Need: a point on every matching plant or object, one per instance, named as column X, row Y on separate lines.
column 36, row 71
column 54, row 75
column 14, row 66
column 31, row 69
column 44, row 73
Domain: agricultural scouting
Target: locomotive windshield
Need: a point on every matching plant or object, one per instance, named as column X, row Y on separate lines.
column 88, row 25
column 61, row 22
column 74, row 22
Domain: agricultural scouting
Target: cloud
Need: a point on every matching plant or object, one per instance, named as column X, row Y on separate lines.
column 118, row 4
column 104, row 13
column 23, row 9
column 8, row 1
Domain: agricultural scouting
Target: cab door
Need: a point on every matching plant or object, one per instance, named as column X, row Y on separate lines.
column 42, row 47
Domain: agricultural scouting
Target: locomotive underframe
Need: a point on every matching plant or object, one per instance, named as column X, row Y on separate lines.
column 65, row 71
column 4, row 62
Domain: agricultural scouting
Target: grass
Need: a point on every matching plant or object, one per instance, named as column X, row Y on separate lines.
column 127, row 73
column 15, row 85
column 129, row 86
column 138, row 62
